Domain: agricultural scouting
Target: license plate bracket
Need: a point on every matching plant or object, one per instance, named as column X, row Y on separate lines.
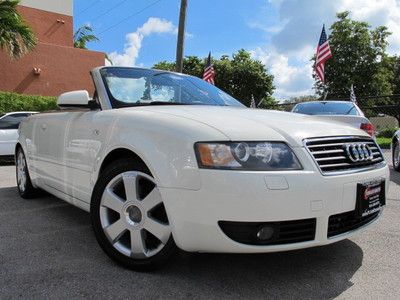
column 370, row 197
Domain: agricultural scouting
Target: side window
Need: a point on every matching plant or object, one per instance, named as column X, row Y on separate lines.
column 12, row 121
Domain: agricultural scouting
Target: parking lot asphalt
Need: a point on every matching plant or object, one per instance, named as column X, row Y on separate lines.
column 48, row 250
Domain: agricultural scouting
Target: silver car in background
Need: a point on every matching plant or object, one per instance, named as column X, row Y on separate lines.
column 341, row 111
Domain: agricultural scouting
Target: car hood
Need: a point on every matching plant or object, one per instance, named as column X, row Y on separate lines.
column 238, row 123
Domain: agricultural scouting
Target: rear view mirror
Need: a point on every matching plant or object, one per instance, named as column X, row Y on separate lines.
column 77, row 99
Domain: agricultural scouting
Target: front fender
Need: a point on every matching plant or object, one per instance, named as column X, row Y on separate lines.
column 165, row 144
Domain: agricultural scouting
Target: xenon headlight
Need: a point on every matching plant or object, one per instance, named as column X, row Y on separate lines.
column 252, row 156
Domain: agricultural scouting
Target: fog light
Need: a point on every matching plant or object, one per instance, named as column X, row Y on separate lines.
column 265, row 233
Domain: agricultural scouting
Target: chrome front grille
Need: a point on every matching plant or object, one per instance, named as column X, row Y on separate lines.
column 338, row 155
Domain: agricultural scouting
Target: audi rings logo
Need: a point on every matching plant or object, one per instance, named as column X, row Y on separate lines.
column 358, row 152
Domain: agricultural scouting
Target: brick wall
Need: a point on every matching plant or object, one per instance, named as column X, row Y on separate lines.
column 62, row 67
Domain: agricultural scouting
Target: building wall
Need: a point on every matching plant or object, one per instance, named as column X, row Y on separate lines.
column 62, row 69
column 49, row 27
column 59, row 66
column 64, row 7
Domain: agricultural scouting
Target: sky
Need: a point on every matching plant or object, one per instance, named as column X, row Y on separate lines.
column 282, row 34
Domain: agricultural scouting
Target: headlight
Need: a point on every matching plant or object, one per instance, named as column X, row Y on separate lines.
column 252, row 156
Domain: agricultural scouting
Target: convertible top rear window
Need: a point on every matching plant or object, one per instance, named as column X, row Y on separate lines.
column 128, row 87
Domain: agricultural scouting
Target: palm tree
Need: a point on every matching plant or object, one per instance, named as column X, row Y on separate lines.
column 84, row 35
column 16, row 37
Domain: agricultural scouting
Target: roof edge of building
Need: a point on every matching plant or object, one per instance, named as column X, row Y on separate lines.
column 63, row 7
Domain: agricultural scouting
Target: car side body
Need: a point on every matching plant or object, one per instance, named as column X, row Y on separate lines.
column 67, row 153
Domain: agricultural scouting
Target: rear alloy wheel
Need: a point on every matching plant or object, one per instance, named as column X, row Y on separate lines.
column 396, row 156
column 24, row 184
column 130, row 220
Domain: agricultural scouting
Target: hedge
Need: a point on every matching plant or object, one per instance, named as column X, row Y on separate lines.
column 17, row 102
column 387, row 132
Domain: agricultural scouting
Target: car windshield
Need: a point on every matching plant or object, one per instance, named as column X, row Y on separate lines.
column 326, row 108
column 128, row 87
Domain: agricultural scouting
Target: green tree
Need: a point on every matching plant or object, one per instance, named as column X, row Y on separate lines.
column 299, row 99
column 359, row 58
column 84, row 35
column 396, row 78
column 16, row 37
column 239, row 75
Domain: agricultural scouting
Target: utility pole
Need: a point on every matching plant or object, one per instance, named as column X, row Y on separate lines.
column 181, row 36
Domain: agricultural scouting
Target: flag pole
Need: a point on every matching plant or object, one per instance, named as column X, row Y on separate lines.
column 325, row 92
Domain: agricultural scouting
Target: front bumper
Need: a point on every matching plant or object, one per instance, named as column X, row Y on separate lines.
column 260, row 197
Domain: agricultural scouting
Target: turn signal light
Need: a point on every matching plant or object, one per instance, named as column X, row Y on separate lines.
column 368, row 128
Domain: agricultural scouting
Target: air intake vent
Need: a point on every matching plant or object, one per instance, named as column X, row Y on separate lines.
column 337, row 155
column 345, row 222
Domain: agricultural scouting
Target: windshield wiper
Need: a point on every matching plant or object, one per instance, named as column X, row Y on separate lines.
column 165, row 103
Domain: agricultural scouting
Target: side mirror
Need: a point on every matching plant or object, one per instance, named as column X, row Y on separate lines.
column 75, row 99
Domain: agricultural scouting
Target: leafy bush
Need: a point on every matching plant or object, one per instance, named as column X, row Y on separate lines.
column 383, row 142
column 387, row 132
column 17, row 102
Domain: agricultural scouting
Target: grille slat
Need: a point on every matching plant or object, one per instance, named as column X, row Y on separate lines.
column 325, row 145
column 328, row 151
column 330, row 158
column 330, row 155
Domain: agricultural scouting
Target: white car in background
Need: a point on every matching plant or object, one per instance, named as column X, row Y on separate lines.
column 164, row 160
column 341, row 111
column 9, row 131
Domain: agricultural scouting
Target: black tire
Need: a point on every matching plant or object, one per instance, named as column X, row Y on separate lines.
column 147, row 264
column 396, row 165
column 26, row 190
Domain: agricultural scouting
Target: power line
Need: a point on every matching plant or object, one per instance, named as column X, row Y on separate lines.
column 109, row 10
column 88, row 7
column 130, row 16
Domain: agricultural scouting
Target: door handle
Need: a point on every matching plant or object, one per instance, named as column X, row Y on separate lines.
column 44, row 126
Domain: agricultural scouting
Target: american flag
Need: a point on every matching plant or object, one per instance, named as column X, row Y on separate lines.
column 323, row 54
column 209, row 72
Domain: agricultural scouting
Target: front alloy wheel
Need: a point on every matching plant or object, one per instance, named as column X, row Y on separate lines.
column 396, row 156
column 24, row 184
column 21, row 171
column 129, row 218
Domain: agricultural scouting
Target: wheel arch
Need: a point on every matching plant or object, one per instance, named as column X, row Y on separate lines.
column 17, row 147
column 395, row 139
column 120, row 153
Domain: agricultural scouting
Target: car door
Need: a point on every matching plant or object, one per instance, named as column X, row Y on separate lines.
column 49, row 142
column 85, row 138
column 9, row 132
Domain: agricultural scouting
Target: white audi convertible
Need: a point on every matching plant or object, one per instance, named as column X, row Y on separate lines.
column 165, row 161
